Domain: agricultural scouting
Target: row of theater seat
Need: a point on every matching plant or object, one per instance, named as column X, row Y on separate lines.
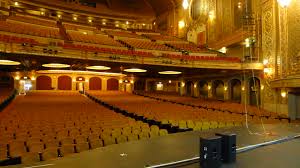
column 229, row 107
column 28, row 29
column 142, row 44
column 187, row 47
column 35, row 129
column 93, row 39
column 19, row 40
column 202, row 58
column 107, row 50
column 162, row 37
column 78, row 27
column 35, row 21
column 167, row 113
column 123, row 34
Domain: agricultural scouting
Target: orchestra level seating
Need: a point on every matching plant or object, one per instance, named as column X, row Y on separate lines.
column 34, row 128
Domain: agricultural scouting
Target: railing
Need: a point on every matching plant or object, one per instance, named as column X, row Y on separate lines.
column 106, row 53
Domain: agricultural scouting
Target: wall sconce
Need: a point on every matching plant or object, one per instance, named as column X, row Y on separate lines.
column 211, row 15
column 208, row 87
column 181, row 24
column 268, row 71
column 33, row 78
column 262, row 87
column 266, row 62
column 243, row 88
column 74, row 79
column 247, row 42
column 283, row 93
column 182, row 84
column 87, row 81
column 170, row 81
column 195, row 85
column 121, row 81
column 225, row 88
column 131, row 81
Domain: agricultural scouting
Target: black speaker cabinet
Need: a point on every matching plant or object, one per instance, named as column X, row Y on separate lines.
column 228, row 147
column 210, row 152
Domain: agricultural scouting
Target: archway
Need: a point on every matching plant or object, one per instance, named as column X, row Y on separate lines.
column 95, row 83
column 254, row 91
column 64, row 83
column 235, row 90
column 112, row 84
column 43, row 83
column 189, row 88
column 218, row 90
column 203, row 89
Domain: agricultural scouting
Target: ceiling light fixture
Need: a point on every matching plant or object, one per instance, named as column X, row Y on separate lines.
column 98, row 68
column 56, row 65
column 9, row 62
column 135, row 70
column 170, row 72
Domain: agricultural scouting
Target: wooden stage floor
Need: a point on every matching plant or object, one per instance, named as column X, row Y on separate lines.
column 180, row 146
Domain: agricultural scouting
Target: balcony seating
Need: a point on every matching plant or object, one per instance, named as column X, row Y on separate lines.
column 142, row 30
column 122, row 34
column 14, row 39
column 108, row 50
column 202, row 58
column 32, row 127
column 142, row 44
column 77, row 27
column 162, row 37
column 187, row 47
column 33, row 20
column 93, row 39
column 29, row 29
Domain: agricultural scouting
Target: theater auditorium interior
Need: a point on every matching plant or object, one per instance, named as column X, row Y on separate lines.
column 149, row 83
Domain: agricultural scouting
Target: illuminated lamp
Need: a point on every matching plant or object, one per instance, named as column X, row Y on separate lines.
column 170, row 72
column 98, row 68
column 56, row 65
column 9, row 62
column 185, row 4
column 135, row 70
column 284, row 3
column 181, row 24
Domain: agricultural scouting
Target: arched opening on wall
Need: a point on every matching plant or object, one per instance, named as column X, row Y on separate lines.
column 254, row 91
column 235, row 90
column 112, row 84
column 64, row 83
column 218, row 90
column 139, row 85
column 203, row 89
column 6, row 83
column 151, row 86
column 95, row 83
column 43, row 83
column 189, row 86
